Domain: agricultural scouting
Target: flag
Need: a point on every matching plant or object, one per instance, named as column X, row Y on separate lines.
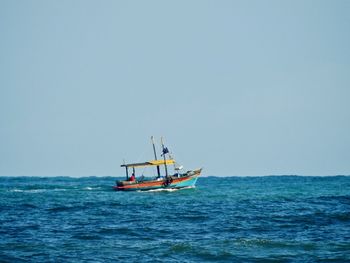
column 165, row 150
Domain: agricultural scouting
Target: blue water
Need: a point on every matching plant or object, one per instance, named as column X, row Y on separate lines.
column 232, row 219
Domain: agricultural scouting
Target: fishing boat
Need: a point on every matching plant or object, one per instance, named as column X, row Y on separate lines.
column 175, row 180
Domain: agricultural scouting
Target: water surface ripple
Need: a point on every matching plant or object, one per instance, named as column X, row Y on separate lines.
column 232, row 219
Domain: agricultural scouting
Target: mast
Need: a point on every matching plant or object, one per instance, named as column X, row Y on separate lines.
column 164, row 152
column 126, row 171
column 155, row 156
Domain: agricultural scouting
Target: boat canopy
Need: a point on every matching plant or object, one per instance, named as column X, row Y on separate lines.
column 149, row 163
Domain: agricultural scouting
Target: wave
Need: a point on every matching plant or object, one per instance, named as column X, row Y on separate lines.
column 50, row 189
column 166, row 189
column 28, row 190
column 92, row 188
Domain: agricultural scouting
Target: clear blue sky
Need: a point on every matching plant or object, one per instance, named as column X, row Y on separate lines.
column 238, row 87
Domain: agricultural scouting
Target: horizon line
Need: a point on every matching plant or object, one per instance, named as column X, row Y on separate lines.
column 222, row 176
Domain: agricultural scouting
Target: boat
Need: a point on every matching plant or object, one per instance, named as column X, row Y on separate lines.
column 176, row 180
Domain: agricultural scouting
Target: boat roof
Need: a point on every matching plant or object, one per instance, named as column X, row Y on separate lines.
column 149, row 163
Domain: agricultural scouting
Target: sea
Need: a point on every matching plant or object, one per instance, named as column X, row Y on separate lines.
column 222, row 219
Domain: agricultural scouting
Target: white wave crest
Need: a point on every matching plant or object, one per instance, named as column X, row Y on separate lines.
column 91, row 188
column 166, row 189
column 28, row 191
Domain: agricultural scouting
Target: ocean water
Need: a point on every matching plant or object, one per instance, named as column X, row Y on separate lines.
column 232, row 219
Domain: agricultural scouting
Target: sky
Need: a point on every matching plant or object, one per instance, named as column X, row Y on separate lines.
column 239, row 88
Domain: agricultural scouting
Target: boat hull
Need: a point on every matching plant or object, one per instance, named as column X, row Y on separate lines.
column 172, row 183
